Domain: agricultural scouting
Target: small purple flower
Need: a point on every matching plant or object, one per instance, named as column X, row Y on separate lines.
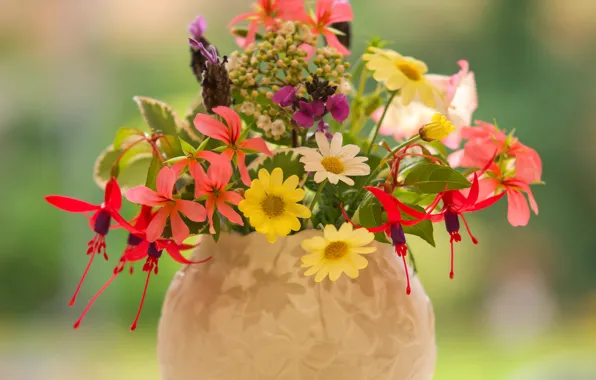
column 338, row 106
column 197, row 28
column 285, row 96
column 305, row 117
column 324, row 128
column 210, row 54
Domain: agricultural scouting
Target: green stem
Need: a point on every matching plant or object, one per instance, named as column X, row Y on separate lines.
column 356, row 116
column 376, row 130
column 316, row 199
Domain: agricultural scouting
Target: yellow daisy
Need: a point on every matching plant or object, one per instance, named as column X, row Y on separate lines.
column 406, row 74
column 271, row 204
column 337, row 252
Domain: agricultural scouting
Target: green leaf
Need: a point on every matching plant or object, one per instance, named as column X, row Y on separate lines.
column 102, row 170
column 187, row 129
column 217, row 227
column 288, row 161
column 423, row 230
column 135, row 171
column 439, row 147
column 430, row 178
column 161, row 119
column 370, row 214
column 126, row 134
column 187, row 148
column 130, row 171
column 154, row 167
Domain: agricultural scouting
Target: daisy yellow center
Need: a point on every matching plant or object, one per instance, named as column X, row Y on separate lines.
column 410, row 71
column 273, row 206
column 333, row 165
column 336, row 250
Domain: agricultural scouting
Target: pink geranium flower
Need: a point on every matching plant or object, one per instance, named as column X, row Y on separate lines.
column 329, row 12
column 171, row 207
column 100, row 221
column 213, row 185
column 265, row 13
column 230, row 135
column 459, row 102
column 193, row 160
column 518, row 212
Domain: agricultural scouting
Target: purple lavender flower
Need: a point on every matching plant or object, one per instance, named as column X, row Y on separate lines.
column 338, row 106
column 197, row 28
column 305, row 117
column 324, row 128
column 285, row 96
column 210, row 54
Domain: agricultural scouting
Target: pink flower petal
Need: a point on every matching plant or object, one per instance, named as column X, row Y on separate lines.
column 180, row 230
column 143, row 195
column 242, row 168
column 210, row 205
column 518, row 212
column 341, row 13
column 229, row 213
column 166, row 179
column 257, row 144
column 233, row 121
column 334, row 42
column 232, row 197
column 158, row 223
column 193, row 210
column 208, row 126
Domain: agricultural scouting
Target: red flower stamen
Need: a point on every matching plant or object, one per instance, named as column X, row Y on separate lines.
column 402, row 251
column 474, row 240
column 95, row 297
column 455, row 237
column 149, row 266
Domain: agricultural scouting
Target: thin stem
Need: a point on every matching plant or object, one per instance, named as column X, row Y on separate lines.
column 358, row 100
column 316, row 198
column 378, row 126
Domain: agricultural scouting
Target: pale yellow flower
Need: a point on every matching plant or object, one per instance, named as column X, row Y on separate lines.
column 438, row 129
column 337, row 252
column 406, row 74
column 271, row 204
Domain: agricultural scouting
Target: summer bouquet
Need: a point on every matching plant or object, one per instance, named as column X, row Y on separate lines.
column 287, row 135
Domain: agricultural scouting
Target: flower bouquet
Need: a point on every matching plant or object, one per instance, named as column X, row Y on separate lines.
column 287, row 136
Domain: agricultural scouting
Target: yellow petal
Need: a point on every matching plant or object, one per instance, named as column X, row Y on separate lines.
column 301, row 211
column 313, row 244
column 264, row 177
column 349, row 269
column 330, row 233
column 277, row 177
column 407, row 93
column 291, row 182
column 363, row 250
column 323, row 272
column 335, row 271
column 358, row 261
column 312, row 259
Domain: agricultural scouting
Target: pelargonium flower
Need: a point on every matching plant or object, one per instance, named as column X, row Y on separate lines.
column 406, row 74
column 332, row 161
column 265, row 13
column 213, row 185
column 338, row 107
column 308, row 113
column 460, row 102
column 327, row 13
column 230, row 135
column 455, row 204
column 337, row 252
column 285, row 96
column 100, row 221
column 271, row 204
column 171, row 207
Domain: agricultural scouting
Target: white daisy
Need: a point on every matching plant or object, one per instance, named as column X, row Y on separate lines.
column 333, row 161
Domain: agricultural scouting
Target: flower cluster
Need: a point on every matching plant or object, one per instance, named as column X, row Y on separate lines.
column 276, row 147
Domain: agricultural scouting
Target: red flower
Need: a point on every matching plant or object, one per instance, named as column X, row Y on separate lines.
column 213, row 185
column 265, row 13
column 100, row 221
column 455, row 204
column 191, row 160
column 230, row 135
column 329, row 12
column 138, row 249
column 170, row 207
column 394, row 225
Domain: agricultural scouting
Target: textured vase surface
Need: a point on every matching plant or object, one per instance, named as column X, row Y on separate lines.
column 250, row 314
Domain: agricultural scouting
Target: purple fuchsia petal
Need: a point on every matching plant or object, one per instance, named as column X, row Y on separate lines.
column 303, row 119
column 285, row 96
column 317, row 108
column 339, row 107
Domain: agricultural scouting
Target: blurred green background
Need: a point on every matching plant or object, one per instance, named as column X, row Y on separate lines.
column 523, row 303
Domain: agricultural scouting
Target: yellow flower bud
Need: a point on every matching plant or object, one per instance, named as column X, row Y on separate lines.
column 438, row 129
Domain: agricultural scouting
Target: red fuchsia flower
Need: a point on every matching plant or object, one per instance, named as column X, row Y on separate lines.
column 213, row 185
column 265, row 13
column 339, row 107
column 151, row 252
column 329, row 12
column 170, row 207
column 100, row 221
column 518, row 212
column 308, row 113
column 285, row 96
column 455, row 204
column 394, row 225
column 230, row 135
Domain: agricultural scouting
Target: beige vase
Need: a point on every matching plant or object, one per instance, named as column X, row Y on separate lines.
column 250, row 314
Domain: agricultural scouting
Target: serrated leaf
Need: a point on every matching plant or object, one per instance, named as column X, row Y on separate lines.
column 423, row 230
column 370, row 214
column 103, row 168
column 153, row 170
column 126, row 134
column 430, row 178
column 131, row 169
column 161, row 119
column 187, row 129
column 287, row 161
column 134, row 172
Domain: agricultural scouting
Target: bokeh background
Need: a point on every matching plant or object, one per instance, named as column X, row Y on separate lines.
column 523, row 304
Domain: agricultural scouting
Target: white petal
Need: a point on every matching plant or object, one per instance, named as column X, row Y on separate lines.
column 349, row 151
column 333, row 178
column 322, row 143
column 321, row 176
column 347, row 180
column 335, row 147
